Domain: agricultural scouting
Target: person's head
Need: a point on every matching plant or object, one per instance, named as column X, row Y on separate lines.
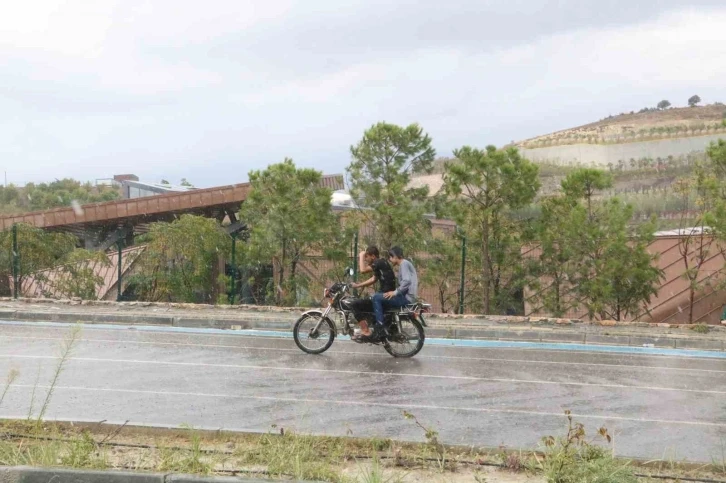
column 371, row 254
column 395, row 255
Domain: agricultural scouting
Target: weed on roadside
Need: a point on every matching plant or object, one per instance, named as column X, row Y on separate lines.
column 83, row 452
column 36, row 445
column 514, row 462
column 380, row 444
column 66, row 351
column 12, row 376
column 65, row 355
column 432, row 441
column 573, row 459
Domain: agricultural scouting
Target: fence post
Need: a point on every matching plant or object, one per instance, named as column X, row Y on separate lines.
column 119, row 245
column 16, row 262
column 355, row 256
column 234, row 269
column 463, row 271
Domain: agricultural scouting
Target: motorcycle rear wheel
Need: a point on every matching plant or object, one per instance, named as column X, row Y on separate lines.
column 408, row 342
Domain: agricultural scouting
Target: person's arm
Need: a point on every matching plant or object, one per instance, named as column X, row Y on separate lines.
column 405, row 283
column 367, row 283
column 364, row 267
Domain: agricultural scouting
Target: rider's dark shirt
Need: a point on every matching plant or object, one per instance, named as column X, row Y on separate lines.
column 384, row 275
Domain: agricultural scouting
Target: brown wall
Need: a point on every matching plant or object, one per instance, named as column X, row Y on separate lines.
column 672, row 302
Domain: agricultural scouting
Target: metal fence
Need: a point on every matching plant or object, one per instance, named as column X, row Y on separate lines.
column 253, row 284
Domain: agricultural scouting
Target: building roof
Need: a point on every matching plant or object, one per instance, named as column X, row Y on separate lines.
column 157, row 187
column 335, row 182
column 689, row 231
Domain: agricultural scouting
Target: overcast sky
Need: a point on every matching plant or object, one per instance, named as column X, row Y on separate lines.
column 210, row 90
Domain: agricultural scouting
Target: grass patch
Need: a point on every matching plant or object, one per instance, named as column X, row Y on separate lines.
column 567, row 459
column 299, row 456
column 700, row 328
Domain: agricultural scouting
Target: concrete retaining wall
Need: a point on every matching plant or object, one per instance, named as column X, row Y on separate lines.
column 602, row 154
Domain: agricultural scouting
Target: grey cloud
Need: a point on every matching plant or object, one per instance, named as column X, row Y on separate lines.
column 69, row 121
column 309, row 40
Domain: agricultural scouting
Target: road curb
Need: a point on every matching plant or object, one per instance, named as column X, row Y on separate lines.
column 73, row 317
column 28, row 474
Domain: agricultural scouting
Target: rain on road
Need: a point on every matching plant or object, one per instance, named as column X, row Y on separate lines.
column 655, row 405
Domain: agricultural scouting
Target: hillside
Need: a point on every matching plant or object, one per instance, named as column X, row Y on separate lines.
column 43, row 196
column 646, row 153
column 640, row 126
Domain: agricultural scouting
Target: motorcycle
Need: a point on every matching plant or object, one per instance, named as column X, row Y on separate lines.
column 315, row 331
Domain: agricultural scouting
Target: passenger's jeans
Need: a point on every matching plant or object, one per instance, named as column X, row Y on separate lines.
column 379, row 302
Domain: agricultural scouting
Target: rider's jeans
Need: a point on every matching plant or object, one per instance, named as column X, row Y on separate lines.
column 379, row 303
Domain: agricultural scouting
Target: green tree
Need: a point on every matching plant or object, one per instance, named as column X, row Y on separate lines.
column 180, row 260
column 551, row 269
column 10, row 200
column 289, row 217
column 508, row 273
column 616, row 275
column 693, row 101
column 38, row 250
column 380, row 173
column 716, row 156
column 613, row 274
column 664, row 104
column 584, row 183
column 480, row 187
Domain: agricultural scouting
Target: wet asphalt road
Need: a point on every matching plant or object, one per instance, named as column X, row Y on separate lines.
column 656, row 406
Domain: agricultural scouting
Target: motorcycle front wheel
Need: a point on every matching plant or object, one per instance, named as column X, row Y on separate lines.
column 313, row 333
column 406, row 341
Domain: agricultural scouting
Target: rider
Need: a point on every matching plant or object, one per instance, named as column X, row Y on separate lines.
column 370, row 261
column 407, row 286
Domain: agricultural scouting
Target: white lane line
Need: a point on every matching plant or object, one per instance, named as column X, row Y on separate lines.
column 367, row 373
column 377, row 404
column 372, row 354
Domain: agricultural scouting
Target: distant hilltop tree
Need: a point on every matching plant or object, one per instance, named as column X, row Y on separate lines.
column 693, row 101
column 664, row 104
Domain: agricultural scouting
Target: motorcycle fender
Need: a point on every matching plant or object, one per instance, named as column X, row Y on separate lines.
column 421, row 319
column 320, row 313
column 312, row 312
